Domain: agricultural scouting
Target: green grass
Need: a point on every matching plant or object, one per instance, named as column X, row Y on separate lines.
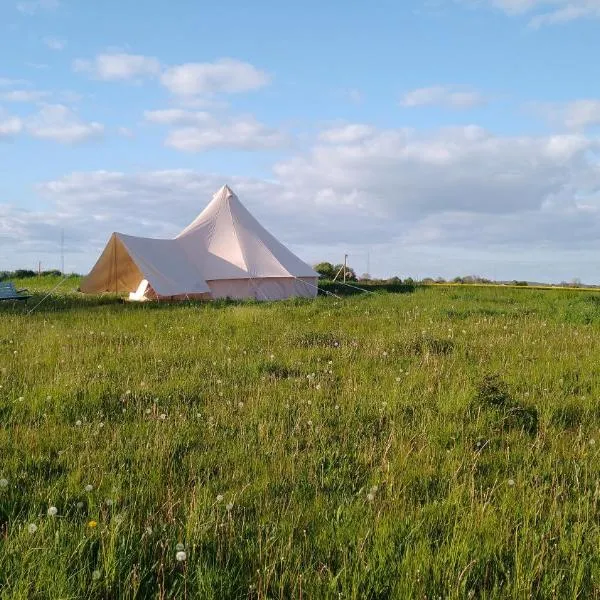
column 440, row 443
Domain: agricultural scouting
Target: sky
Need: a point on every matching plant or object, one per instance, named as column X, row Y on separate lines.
column 422, row 138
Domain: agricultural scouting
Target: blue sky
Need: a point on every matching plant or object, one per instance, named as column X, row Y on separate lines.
column 436, row 137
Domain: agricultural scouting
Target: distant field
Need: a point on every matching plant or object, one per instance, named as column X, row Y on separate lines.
column 442, row 442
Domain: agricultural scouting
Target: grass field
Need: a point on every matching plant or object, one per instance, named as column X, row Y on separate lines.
column 443, row 443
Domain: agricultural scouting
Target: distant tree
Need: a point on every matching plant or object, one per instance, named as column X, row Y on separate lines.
column 23, row 273
column 326, row 270
column 409, row 281
column 440, row 280
column 365, row 277
column 394, row 280
column 350, row 274
column 458, row 280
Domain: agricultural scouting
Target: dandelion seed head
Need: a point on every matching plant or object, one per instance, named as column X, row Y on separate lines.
column 181, row 556
column 229, row 506
column 3, row 483
column 79, row 505
column 32, row 528
column 52, row 511
column 511, row 482
column 179, row 547
column 370, row 497
column 96, row 575
column 78, row 423
column 219, row 498
column 89, row 487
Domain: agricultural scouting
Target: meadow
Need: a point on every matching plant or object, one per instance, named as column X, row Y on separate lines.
column 438, row 443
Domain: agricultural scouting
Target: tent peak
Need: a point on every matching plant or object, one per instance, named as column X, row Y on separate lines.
column 225, row 191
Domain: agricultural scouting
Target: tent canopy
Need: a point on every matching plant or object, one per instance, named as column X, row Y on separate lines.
column 224, row 251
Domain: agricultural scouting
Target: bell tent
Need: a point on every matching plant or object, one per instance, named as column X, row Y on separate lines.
column 223, row 253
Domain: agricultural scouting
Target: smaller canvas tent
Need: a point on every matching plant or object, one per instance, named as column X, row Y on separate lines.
column 224, row 252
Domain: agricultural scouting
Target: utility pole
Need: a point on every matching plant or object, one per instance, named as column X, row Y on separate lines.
column 345, row 265
column 62, row 252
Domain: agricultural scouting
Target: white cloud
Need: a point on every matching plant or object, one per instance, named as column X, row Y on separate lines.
column 200, row 131
column 55, row 43
column 576, row 115
column 6, row 82
column 9, row 127
column 447, row 96
column 225, row 75
column 118, row 66
column 126, row 132
column 59, row 123
column 547, row 12
column 347, row 134
column 24, row 96
column 177, row 116
column 421, row 202
column 32, row 7
column 405, row 174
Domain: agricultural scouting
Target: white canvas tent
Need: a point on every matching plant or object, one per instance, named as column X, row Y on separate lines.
column 224, row 252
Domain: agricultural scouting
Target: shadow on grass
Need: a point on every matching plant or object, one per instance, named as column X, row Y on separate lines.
column 40, row 302
column 353, row 289
column 57, row 302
